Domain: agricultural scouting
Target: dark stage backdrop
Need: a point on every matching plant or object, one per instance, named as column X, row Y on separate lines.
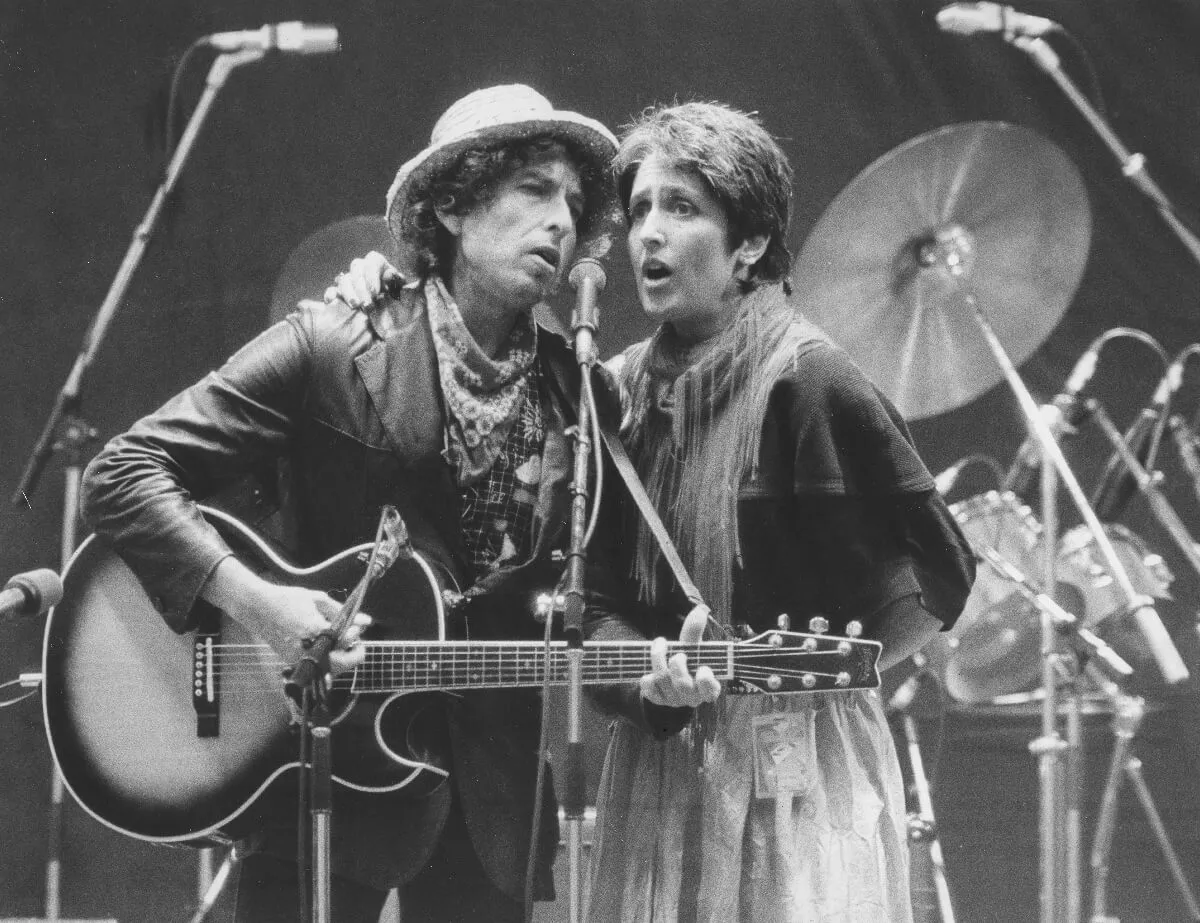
column 294, row 144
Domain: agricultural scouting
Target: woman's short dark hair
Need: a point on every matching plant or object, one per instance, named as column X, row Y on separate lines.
column 743, row 166
column 473, row 179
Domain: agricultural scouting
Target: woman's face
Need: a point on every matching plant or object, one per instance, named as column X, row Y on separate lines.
column 679, row 250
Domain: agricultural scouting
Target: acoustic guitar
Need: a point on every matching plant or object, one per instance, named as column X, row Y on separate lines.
column 170, row 738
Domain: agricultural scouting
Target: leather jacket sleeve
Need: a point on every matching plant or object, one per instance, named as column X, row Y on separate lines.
column 139, row 493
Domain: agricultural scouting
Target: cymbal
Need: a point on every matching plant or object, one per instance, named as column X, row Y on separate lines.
column 982, row 209
column 310, row 268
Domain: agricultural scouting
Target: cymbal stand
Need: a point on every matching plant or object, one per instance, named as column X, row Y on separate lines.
column 1128, row 712
column 922, row 826
column 951, row 251
column 1061, row 782
column 1133, row 166
column 67, row 432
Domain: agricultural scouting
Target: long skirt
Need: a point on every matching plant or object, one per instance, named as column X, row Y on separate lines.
column 781, row 809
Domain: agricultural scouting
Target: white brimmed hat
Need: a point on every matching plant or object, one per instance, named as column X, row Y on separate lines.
column 502, row 113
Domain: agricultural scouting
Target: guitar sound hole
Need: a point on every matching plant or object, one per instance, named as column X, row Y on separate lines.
column 415, row 727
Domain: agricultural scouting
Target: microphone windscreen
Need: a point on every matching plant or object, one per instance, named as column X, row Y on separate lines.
column 588, row 269
column 43, row 587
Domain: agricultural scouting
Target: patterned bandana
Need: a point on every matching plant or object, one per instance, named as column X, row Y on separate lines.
column 499, row 511
column 483, row 396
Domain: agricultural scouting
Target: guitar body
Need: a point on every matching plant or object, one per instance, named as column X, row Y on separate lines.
column 172, row 738
column 120, row 693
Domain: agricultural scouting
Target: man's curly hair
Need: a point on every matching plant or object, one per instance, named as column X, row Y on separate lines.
column 472, row 180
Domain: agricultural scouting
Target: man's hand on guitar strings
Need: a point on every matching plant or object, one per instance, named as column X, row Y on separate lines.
column 291, row 618
column 285, row 617
column 671, row 683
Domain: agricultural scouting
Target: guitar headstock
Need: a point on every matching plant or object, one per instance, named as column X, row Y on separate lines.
column 781, row 660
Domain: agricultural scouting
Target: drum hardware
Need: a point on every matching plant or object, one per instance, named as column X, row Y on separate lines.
column 1147, row 483
column 963, row 243
column 1086, row 642
column 1128, row 712
column 993, row 648
column 1002, row 204
column 1066, row 412
column 1187, row 445
column 927, row 856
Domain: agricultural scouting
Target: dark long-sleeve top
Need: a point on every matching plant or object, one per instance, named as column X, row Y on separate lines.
column 838, row 519
column 349, row 403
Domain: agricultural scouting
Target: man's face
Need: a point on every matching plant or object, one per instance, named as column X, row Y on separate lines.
column 513, row 249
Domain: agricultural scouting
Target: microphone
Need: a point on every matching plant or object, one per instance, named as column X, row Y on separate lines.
column 587, row 278
column 287, row 37
column 970, row 18
column 1064, row 415
column 1187, row 443
column 1117, row 483
column 31, row 593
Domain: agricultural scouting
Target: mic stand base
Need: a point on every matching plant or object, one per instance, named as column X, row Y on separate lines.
column 922, row 828
column 1128, row 712
column 321, row 810
column 219, row 880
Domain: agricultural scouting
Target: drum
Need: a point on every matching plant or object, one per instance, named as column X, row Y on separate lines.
column 993, row 649
column 1088, row 590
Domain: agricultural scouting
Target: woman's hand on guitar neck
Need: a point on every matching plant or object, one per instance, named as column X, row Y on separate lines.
column 671, row 683
column 285, row 617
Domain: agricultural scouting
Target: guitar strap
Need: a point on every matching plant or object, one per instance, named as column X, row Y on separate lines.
column 645, row 505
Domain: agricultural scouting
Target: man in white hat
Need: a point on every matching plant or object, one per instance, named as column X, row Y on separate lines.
column 449, row 401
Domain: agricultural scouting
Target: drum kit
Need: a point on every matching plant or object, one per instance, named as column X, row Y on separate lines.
column 1008, row 213
column 944, row 264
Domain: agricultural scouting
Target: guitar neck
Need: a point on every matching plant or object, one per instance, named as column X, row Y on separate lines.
column 402, row 665
column 394, row 666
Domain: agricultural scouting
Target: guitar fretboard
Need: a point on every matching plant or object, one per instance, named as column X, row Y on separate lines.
column 415, row 665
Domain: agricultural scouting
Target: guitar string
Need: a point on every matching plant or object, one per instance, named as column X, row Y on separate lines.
column 384, row 670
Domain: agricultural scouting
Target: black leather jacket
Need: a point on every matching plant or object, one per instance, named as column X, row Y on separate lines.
column 351, row 403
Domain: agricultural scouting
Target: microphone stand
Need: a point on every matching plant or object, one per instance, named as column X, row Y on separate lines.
column 950, row 251
column 1128, row 712
column 573, row 802
column 307, row 685
column 68, row 398
column 1133, row 166
column 66, row 431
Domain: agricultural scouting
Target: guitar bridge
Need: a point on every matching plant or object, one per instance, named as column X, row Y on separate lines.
column 206, row 686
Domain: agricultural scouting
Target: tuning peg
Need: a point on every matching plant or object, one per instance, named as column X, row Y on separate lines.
column 854, row 629
column 784, row 622
column 818, row 624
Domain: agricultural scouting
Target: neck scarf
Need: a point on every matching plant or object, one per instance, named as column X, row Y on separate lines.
column 483, row 395
column 694, row 427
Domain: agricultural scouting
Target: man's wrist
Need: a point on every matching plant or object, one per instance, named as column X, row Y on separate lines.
column 235, row 589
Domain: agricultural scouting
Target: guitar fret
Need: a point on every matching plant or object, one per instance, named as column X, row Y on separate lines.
column 828, row 663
